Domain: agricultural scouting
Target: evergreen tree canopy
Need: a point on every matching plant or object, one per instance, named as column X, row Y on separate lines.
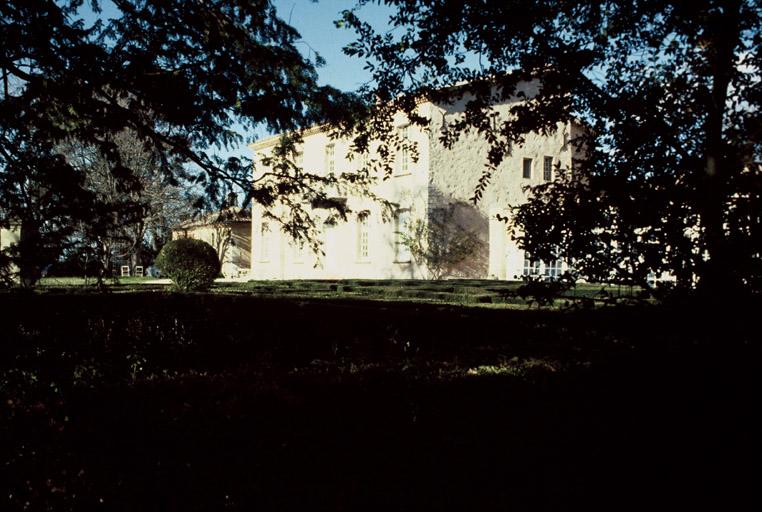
column 179, row 74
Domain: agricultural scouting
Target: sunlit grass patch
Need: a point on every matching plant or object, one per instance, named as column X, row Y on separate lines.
column 516, row 367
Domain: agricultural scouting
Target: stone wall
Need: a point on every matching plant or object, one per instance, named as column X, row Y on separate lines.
column 455, row 173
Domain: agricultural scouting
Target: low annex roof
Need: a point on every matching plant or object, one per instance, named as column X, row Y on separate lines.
column 227, row 216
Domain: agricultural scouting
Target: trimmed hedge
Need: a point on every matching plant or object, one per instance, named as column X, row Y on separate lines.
column 191, row 264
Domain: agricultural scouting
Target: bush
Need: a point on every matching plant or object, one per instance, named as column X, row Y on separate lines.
column 191, row 264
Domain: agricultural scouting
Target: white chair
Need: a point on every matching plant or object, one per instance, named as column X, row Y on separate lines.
column 125, row 271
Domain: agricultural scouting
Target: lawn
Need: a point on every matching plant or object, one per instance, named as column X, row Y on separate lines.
column 470, row 292
column 483, row 293
column 63, row 282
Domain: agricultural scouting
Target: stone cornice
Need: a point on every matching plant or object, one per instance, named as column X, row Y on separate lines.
column 273, row 139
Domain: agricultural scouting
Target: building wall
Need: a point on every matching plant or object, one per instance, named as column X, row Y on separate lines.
column 9, row 237
column 442, row 180
column 455, row 173
column 276, row 255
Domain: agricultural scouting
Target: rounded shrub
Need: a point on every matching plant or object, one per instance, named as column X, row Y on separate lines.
column 191, row 264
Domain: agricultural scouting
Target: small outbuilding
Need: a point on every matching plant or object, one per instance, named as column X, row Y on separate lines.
column 229, row 232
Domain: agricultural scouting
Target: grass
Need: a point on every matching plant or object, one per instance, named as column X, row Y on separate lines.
column 63, row 282
column 484, row 293
column 478, row 293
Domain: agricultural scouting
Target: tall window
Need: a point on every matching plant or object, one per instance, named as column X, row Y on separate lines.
column 327, row 239
column 531, row 267
column 299, row 160
column 363, row 236
column 549, row 270
column 401, row 236
column 527, row 168
column 547, row 168
column 365, row 161
column 552, row 270
column 298, row 251
column 330, row 158
column 264, row 242
column 403, row 134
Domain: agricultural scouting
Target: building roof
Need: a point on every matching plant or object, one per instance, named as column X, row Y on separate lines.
column 273, row 139
column 226, row 216
column 429, row 97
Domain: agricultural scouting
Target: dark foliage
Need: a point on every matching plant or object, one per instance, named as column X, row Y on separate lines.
column 192, row 265
column 177, row 74
column 668, row 98
column 544, row 292
column 78, row 261
column 195, row 402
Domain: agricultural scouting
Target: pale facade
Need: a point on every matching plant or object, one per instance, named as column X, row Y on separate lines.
column 442, row 179
column 229, row 233
column 8, row 238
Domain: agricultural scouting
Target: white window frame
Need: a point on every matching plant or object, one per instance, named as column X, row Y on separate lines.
column 298, row 251
column 553, row 270
column 548, row 270
column 330, row 158
column 365, row 161
column 363, row 236
column 404, row 162
column 401, row 230
column 265, row 240
column 531, row 267
column 547, row 168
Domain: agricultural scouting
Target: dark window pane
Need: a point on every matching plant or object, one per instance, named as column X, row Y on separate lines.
column 527, row 168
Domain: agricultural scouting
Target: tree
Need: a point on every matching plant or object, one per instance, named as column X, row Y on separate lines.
column 669, row 93
column 142, row 206
column 41, row 196
column 176, row 73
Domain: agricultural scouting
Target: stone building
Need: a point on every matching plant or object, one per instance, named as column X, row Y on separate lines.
column 434, row 189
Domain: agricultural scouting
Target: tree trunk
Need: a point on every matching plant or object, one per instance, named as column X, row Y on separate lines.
column 717, row 274
column 28, row 253
column 134, row 258
column 105, row 261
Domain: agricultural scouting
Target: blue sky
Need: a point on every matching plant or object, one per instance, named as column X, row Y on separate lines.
column 315, row 22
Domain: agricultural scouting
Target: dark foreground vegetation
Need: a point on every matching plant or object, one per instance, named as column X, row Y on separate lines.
column 156, row 401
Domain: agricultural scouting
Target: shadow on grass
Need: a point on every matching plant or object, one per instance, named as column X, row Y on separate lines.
column 203, row 402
